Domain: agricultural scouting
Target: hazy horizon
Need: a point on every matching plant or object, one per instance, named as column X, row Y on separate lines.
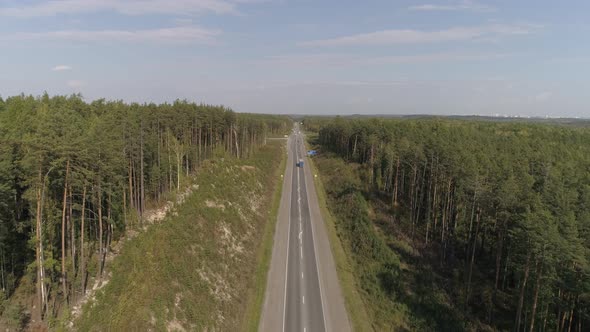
column 306, row 57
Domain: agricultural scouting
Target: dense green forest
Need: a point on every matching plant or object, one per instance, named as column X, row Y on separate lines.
column 75, row 175
column 462, row 225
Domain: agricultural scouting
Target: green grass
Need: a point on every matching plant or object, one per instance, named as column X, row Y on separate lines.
column 254, row 308
column 355, row 305
column 202, row 267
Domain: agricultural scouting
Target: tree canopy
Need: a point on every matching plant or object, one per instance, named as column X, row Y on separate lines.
column 75, row 175
column 505, row 204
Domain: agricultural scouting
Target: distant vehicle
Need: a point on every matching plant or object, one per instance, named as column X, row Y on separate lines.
column 312, row 152
column 286, row 136
column 300, row 163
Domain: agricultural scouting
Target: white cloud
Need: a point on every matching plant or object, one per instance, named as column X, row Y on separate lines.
column 125, row 7
column 183, row 21
column 463, row 6
column 76, row 84
column 347, row 60
column 407, row 36
column 178, row 34
column 61, row 68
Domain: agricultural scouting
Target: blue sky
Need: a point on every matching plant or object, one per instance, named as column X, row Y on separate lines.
column 303, row 56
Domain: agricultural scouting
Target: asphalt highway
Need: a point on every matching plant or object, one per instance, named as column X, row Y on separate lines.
column 303, row 292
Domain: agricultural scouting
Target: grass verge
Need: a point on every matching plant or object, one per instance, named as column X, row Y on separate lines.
column 254, row 307
column 355, row 305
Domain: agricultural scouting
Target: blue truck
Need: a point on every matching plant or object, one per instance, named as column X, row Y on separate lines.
column 300, row 163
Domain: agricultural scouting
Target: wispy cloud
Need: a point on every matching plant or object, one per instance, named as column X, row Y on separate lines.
column 180, row 34
column 125, row 7
column 407, row 36
column 61, row 68
column 463, row 6
column 183, row 21
column 348, row 60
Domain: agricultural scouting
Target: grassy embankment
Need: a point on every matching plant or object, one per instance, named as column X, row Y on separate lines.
column 254, row 307
column 378, row 268
column 204, row 266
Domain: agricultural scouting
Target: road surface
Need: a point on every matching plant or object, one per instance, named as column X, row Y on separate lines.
column 303, row 292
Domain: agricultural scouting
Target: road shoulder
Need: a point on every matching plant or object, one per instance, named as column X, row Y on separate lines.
column 256, row 304
column 355, row 307
column 274, row 301
column 337, row 317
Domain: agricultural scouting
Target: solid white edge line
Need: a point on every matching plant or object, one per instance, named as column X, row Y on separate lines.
column 287, row 264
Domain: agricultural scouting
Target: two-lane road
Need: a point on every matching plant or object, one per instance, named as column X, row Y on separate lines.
column 302, row 292
column 302, row 281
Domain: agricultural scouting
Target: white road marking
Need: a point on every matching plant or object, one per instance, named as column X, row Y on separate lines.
column 301, row 245
column 299, row 210
column 287, row 264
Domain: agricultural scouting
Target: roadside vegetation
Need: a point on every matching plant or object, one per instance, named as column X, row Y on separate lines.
column 77, row 177
column 256, row 294
column 196, row 270
column 355, row 306
column 461, row 225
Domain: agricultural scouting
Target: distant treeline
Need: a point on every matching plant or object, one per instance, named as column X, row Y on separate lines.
column 576, row 122
column 74, row 175
column 506, row 205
